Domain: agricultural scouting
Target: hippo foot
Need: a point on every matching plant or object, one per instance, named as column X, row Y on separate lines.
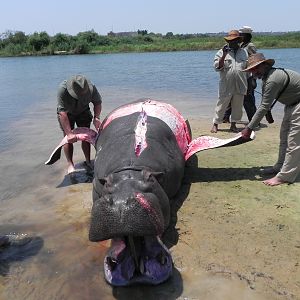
column 132, row 260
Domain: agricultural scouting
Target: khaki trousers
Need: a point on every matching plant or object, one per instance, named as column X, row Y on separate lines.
column 288, row 163
column 236, row 108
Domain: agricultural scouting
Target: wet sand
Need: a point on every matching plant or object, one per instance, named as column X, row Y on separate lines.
column 234, row 238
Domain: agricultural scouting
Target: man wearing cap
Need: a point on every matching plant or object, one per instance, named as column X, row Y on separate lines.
column 249, row 98
column 229, row 62
column 284, row 86
column 73, row 99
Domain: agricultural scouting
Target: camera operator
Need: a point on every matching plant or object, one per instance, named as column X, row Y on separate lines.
column 229, row 62
column 284, row 86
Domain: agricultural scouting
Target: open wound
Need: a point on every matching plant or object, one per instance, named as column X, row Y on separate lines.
column 140, row 134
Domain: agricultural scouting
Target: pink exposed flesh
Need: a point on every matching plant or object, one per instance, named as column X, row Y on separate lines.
column 82, row 134
column 162, row 111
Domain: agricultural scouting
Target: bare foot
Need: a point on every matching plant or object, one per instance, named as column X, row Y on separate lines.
column 71, row 169
column 214, row 129
column 274, row 181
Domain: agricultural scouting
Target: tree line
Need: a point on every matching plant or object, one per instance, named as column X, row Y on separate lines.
column 17, row 43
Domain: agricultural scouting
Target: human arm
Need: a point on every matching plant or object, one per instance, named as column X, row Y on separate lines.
column 270, row 92
column 62, row 112
column 251, row 49
column 97, row 112
column 220, row 57
column 97, row 102
column 65, row 124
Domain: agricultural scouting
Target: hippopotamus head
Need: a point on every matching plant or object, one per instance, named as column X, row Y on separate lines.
column 131, row 208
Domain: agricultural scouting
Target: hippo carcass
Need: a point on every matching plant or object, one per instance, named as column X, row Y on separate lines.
column 141, row 150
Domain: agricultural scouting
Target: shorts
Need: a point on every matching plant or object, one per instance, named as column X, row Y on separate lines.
column 82, row 120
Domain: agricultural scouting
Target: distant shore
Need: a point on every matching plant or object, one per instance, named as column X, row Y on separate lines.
column 89, row 42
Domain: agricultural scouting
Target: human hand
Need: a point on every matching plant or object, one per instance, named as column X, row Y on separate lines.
column 246, row 133
column 71, row 138
column 225, row 49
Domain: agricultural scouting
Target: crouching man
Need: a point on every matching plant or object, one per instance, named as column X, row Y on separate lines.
column 284, row 86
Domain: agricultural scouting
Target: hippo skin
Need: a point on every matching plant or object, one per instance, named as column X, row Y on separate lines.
column 141, row 151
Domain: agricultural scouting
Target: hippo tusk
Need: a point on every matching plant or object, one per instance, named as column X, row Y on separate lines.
column 133, row 251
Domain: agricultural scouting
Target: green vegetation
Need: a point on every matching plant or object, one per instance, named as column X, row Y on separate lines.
column 18, row 44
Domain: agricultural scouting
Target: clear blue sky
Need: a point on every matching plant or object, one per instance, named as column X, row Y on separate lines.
column 158, row 16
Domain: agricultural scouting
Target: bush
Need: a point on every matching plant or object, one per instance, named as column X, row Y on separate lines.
column 39, row 40
column 81, row 48
column 62, row 42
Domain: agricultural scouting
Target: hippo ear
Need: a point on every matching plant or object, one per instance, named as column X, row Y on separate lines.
column 148, row 174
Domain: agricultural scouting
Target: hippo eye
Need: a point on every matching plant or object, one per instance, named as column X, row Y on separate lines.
column 102, row 181
column 106, row 180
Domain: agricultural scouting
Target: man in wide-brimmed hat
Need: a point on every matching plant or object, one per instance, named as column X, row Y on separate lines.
column 73, row 99
column 249, row 98
column 229, row 62
column 284, row 86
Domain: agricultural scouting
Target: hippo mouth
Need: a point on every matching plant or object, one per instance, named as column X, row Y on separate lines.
column 131, row 260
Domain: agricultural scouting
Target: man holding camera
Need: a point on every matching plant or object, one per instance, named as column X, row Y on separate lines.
column 229, row 62
column 249, row 99
column 284, row 86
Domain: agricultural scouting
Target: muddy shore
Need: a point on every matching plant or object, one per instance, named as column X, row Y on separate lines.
column 232, row 225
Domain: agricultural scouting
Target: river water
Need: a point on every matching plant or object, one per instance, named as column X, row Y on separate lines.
column 38, row 200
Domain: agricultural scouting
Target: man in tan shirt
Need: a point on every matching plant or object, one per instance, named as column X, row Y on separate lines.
column 229, row 62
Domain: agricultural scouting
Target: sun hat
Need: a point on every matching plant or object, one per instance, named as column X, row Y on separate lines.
column 257, row 59
column 79, row 86
column 246, row 29
column 232, row 35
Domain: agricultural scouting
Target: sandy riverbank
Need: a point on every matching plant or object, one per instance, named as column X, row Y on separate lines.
column 233, row 226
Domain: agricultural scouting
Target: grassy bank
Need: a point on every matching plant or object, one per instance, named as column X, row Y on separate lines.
column 19, row 44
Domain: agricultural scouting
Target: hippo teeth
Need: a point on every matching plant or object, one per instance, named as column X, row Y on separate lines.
column 112, row 263
column 142, row 266
column 144, row 260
